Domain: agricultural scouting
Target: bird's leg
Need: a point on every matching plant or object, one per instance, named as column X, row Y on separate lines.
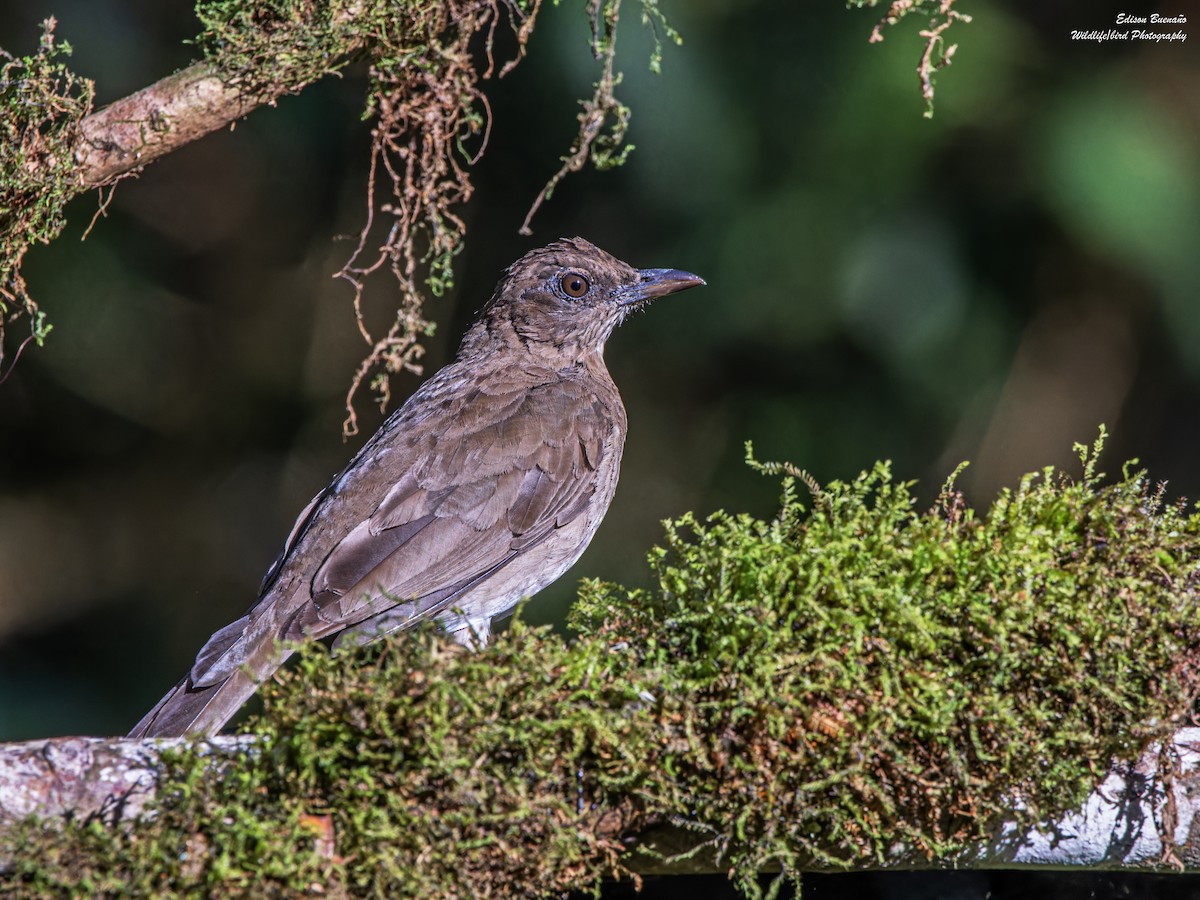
column 474, row 634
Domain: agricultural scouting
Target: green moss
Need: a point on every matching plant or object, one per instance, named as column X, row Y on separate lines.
column 868, row 677
column 825, row 687
column 41, row 104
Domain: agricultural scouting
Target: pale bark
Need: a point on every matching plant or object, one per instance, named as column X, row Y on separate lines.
column 171, row 113
column 84, row 777
column 165, row 116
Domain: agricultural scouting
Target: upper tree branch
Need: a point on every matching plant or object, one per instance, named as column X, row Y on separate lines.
column 165, row 116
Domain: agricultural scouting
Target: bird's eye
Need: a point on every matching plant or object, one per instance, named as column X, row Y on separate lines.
column 574, row 284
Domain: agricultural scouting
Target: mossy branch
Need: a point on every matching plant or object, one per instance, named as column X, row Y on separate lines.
column 424, row 99
column 864, row 686
column 108, row 784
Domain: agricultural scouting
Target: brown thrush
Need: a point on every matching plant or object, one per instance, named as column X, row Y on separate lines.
column 482, row 489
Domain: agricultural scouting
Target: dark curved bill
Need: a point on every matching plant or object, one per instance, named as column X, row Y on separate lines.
column 658, row 283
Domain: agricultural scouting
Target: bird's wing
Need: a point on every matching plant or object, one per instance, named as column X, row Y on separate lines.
column 422, row 515
column 467, row 504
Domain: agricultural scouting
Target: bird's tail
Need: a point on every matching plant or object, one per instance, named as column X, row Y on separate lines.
column 228, row 670
column 191, row 710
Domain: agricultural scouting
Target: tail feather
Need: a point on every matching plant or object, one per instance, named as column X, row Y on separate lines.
column 227, row 672
column 191, row 710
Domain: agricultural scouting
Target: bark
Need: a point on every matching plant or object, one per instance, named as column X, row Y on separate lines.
column 165, row 116
column 83, row 776
column 1118, row 827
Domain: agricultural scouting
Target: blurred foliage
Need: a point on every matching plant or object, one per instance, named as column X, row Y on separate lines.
column 1122, row 173
column 829, row 688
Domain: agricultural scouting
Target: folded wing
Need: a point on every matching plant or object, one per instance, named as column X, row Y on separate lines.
column 441, row 509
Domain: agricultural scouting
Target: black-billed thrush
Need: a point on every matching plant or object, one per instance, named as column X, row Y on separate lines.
column 479, row 491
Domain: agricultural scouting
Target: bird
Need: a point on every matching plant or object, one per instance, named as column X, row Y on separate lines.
column 485, row 486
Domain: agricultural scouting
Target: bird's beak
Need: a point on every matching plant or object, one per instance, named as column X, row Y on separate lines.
column 654, row 283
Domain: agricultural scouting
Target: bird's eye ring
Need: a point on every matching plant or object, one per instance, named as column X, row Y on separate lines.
column 573, row 284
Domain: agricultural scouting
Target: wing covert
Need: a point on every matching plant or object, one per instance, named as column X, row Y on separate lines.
column 466, row 505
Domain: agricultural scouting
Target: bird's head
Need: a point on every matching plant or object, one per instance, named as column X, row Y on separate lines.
column 570, row 295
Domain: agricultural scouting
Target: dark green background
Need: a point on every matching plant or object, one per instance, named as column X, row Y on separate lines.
column 991, row 284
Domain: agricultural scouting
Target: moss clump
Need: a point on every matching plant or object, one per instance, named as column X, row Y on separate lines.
column 42, row 103
column 416, row 769
column 825, row 688
column 868, row 679
column 221, row 827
